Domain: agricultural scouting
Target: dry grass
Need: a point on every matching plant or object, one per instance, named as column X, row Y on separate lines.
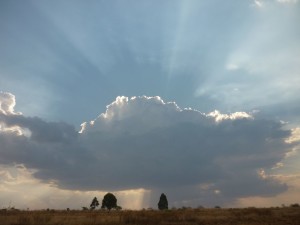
column 249, row 216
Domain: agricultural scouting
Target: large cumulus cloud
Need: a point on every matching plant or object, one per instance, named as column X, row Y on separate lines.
column 143, row 142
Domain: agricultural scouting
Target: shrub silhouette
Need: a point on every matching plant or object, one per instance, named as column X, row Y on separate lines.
column 109, row 201
column 94, row 203
column 163, row 202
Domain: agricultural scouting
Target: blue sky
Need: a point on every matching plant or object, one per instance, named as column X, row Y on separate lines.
column 64, row 63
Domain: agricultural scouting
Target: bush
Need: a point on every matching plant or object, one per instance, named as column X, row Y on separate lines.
column 295, row 205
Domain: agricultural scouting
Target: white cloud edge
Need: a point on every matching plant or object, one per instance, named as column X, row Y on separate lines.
column 123, row 100
column 8, row 103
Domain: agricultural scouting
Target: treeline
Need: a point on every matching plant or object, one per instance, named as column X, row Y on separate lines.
column 110, row 202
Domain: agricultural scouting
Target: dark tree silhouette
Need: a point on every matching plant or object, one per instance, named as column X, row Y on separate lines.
column 163, row 202
column 94, row 203
column 109, row 201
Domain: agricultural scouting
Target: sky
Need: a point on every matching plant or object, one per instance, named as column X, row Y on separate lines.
column 197, row 99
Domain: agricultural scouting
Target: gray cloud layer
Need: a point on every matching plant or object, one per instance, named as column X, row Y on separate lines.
column 144, row 142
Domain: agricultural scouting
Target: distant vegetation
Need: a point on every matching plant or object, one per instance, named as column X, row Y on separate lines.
column 248, row 216
column 94, row 204
column 285, row 215
column 163, row 202
column 109, row 202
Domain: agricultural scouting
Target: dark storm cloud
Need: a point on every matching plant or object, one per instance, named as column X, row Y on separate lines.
column 143, row 142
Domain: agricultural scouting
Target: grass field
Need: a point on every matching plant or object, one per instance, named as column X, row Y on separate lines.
column 249, row 216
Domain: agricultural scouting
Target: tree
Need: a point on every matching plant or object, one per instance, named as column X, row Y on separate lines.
column 163, row 202
column 109, row 201
column 94, row 203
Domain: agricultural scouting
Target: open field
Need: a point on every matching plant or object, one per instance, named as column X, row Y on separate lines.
column 249, row 216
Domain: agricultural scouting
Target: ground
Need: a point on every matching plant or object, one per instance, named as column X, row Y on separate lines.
column 247, row 216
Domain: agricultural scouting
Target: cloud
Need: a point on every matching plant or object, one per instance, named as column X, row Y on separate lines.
column 7, row 103
column 232, row 67
column 295, row 136
column 21, row 190
column 287, row 1
column 146, row 143
column 261, row 3
column 258, row 3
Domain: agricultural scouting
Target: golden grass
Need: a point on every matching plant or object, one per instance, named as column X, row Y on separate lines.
column 249, row 216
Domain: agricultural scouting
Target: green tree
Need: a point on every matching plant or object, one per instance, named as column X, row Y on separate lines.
column 163, row 202
column 109, row 201
column 94, row 203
